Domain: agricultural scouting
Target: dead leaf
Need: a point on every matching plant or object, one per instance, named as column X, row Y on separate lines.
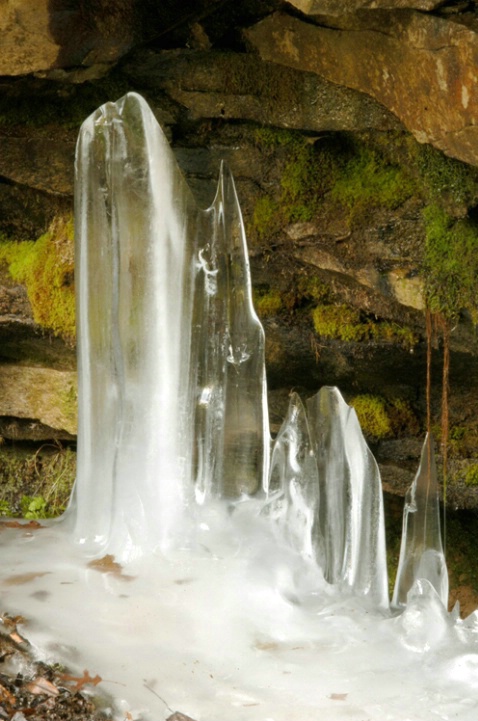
column 11, row 622
column 21, row 578
column 41, row 686
column 80, row 681
column 6, row 696
column 16, row 638
column 107, row 564
column 29, row 525
column 338, row 696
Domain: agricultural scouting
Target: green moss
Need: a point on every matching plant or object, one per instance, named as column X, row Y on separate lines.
column 313, row 288
column 33, row 507
column 450, row 264
column 267, row 303
column 403, row 420
column 446, row 179
column 348, row 171
column 373, row 417
column 5, row 509
column 395, row 333
column 68, row 405
column 342, row 322
column 385, row 418
column 367, row 181
column 36, row 481
column 46, row 269
column 271, row 138
column 471, row 477
column 265, row 217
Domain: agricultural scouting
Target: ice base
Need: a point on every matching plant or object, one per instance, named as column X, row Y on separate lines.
column 236, row 626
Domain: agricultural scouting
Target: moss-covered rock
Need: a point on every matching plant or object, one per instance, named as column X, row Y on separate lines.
column 46, row 268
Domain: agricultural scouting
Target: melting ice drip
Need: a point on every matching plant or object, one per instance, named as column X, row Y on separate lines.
column 172, row 388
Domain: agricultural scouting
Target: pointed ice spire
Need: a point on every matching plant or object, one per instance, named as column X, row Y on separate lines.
column 421, row 551
column 351, row 502
column 294, row 484
column 232, row 423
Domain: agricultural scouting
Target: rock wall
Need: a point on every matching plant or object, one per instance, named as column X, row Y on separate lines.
column 350, row 128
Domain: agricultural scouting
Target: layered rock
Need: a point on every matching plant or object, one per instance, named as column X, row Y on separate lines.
column 423, row 68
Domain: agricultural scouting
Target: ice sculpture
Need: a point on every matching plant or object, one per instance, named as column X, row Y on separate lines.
column 328, row 500
column 170, row 353
column 351, row 504
column 173, row 408
column 172, row 389
column 293, row 485
column 421, row 551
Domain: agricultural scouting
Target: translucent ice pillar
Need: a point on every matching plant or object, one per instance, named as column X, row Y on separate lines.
column 231, row 423
column 351, row 503
column 294, row 498
column 171, row 353
column 421, row 551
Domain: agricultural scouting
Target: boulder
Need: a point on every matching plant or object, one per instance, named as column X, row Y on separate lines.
column 421, row 67
column 40, row 394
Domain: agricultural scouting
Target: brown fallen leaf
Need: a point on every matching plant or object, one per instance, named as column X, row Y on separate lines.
column 107, row 564
column 338, row 696
column 6, row 696
column 20, row 578
column 16, row 638
column 80, row 681
column 30, row 525
column 42, row 687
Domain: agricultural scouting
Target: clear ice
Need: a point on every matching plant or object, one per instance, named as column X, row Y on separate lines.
column 249, row 577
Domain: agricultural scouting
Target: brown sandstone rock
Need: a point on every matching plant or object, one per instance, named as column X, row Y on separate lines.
column 341, row 7
column 40, row 394
column 38, row 161
column 242, row 87
column 38, row 36
column 421, row 67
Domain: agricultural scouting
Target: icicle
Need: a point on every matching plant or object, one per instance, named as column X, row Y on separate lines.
column 351, row 504
column 421, row 551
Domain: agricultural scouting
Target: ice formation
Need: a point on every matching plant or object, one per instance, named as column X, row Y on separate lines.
column 197, row 568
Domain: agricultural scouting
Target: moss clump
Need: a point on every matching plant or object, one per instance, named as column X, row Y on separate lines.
column 383, row 418
column 373, row 417
column 450, row 264
column 46, row 268
column 367, row 181
column 267, row 303
column 471, row 477
column 313, row 288
column 265, row 217
column 446, row 179
column 342, row 322
column 349, row 172
column 306, row 176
